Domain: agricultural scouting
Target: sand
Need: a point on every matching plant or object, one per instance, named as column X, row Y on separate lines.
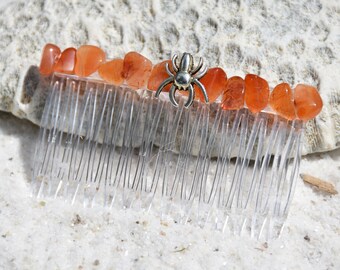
column 52, row 234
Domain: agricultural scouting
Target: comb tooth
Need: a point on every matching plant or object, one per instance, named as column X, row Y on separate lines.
column 198, row 215
column 253, row 181
column 83, row 170
column 113, row 128
column 231, row 204
column 72, row 117
column 266, row 191
column 56, row 160
column 281, row 171
column 206, row 188
column 132, row 134
column 285, row 185
column 230, row 130
column 141, row 183
column 155, row 112
column 102, row 150
column 157, row 159
column 140, row 134
column 188, row 169
column 170, row 159
column 82, row 146
column 111, row 157
column 231, row 143
column 47, row 163
column 53, row 158
column 172, row 176
column 271, row 143
column 92, row 159
column 245, row 160
column 217, row 186
column 72, row 186
column 185, row 175
column 37, row 176
column 296, row 153
column 245, row 181
column 119, row 172
column 219, row 137
column 258, row 177
column 153, row 185
column 166, row 166
column 238, row 163
column 72, row 132
column 54, row 138
column 92, row 131
column 280, row 141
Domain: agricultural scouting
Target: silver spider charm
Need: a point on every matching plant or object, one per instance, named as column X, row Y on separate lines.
column 185, row 76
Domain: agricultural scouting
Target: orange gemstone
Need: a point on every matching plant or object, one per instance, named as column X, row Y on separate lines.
column 308, row 102
column 136, row 70
column 282, row 101
column 233, row 95
column 215, row 82
column 66, row 61
column 256, row 92
column 49, row 57
column 88, row 59
column 158, row 75
column 112, row 71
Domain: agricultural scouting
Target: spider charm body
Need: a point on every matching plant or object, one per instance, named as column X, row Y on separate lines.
column 186, row 75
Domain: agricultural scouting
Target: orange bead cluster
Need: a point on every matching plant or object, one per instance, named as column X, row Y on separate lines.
column 137, row 72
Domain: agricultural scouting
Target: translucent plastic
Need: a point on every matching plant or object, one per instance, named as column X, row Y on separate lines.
column 230, row 170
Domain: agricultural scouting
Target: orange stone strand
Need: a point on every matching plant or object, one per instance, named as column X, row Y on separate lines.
column 112, row 71
column 88, row 60
column 256, row 92
column 281, row 100
column 308, row 102
column 158, row 75
column 66, row 62
column 49, row 58
column 136, row 70
column 233, row 96
column 215, row 82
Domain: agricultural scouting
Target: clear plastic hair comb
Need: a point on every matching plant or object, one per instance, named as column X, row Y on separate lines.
column 117, row 138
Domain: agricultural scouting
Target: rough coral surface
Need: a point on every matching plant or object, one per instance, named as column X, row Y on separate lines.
column 282, row 41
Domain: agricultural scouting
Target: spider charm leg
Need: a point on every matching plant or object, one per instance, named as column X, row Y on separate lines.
column 184, row 78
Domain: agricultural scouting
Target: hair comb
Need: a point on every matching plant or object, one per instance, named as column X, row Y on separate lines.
column 176, row 136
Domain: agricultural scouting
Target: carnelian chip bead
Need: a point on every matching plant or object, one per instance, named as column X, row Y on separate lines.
column 136, row 70
column 214, row 82
column 233, row 95
column 112, row 71
column 281, row 100
column 158, row 75
column 256, row 92
column 88, row 60
column 66, row 61
column 308, row 102
column 49, row 58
